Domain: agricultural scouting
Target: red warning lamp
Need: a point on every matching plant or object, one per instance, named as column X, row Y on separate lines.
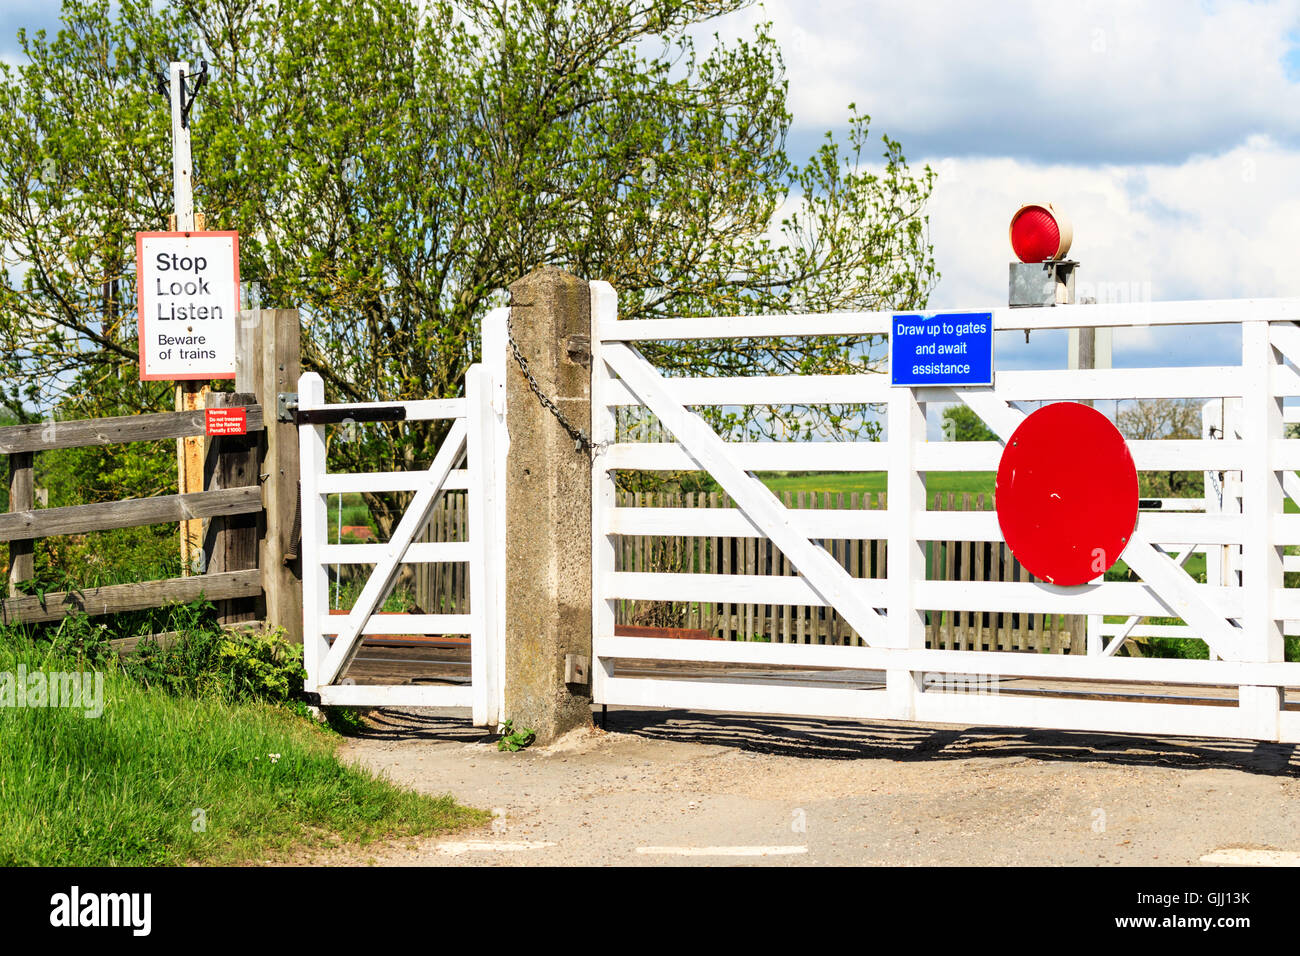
column 1040, row 233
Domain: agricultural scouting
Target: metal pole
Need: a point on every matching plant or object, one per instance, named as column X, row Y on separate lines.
column 182, row 160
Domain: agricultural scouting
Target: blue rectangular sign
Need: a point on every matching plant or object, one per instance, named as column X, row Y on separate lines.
column 950, row 348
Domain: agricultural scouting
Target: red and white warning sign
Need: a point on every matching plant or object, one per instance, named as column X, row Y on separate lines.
column 187, row 286
column 225, row 421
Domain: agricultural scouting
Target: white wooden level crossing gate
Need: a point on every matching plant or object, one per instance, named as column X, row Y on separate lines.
column 1241, row 618
column 468, row 459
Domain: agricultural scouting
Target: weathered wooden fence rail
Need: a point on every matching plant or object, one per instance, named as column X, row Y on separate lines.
column 128, row 513
column 81, row 433
column 117, row 598
column 24, row 524
column 249, row 502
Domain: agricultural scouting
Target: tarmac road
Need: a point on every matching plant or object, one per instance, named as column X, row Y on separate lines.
column 670, row 787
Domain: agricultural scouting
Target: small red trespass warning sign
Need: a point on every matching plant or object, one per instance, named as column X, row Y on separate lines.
column 226, row 421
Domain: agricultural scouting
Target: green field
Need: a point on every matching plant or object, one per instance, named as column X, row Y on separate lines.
column 873, row 482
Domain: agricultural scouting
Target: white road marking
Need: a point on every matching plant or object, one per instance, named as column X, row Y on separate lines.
column 1235, row 857
column 486, row 846
column 721, row 850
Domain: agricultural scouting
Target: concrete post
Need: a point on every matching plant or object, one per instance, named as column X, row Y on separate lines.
column 548, row 508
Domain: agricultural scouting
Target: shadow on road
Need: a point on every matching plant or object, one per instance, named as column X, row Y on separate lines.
column 848, row 740
column 824, row 739
column 429, row 726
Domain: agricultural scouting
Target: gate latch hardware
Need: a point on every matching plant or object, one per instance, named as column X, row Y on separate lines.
column 286, row 403
column 575, row 669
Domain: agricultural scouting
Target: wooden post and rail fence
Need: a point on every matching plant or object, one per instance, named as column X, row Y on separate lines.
column 248, row 507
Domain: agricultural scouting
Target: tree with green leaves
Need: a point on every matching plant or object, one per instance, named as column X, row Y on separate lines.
column 960, row 423
column 390, row 165
column 1164, row 419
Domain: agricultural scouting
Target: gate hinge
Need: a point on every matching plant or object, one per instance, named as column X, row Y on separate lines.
column 578, row 348
column 286, row 403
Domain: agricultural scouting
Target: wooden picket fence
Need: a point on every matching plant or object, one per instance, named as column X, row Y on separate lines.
column 444, row 588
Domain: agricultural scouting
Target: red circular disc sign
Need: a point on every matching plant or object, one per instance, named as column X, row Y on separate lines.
column 1067, row 493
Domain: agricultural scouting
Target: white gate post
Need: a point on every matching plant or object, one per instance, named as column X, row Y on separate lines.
column 315, row 534
column 495, row 336
column 484, row 574
column 1261, row 504
column 905, row 557
column 604, row 309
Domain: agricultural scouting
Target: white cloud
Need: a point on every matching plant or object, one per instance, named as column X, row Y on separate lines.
column 1211, row 227
column 1104, row 81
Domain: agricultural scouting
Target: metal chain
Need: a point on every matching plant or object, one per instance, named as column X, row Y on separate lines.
column 580, row 438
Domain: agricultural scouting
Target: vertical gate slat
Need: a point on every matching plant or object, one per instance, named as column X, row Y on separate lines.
column 1004, row 618
column 801, row 610
column 697, row 564
column 933, row 616
column 855, row 565
column 786, row 610
column 423, row 571
column 751, row 567
column 462, row 569
column 692, row 551
column 715, row 547
column 881, row 545
column 950, row 554
column 728, row 547
column 435, row 577
column 677, row 542
column 978, row 565
column 620, row 562
column 760, row 567
column 457, row 569
column 841, row 558
column 444, row 594
column 746, row 624
column 821, row 618
column 638, row 555
column 1022, row 631
column 962, row 555
column 701, row 561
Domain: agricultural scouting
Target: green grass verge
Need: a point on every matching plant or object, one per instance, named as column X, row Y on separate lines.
column 131, row 786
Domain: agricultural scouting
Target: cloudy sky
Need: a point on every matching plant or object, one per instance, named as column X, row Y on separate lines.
column 1169, row 131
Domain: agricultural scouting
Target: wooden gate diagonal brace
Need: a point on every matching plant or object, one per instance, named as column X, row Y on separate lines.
column 1177, row 590
column 377, row 585
column 822, row 572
